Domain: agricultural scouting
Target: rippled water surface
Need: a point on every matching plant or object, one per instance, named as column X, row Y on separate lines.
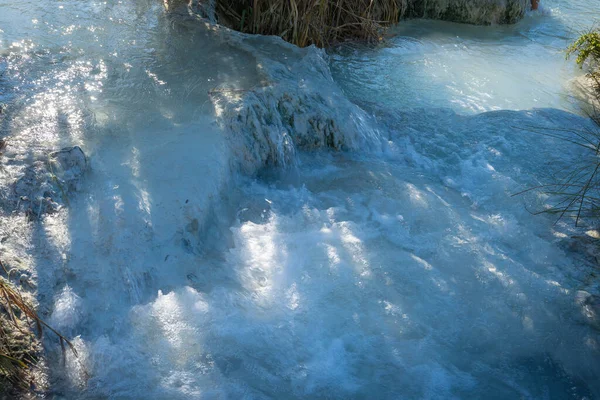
column 470, row 69
column 400, row 267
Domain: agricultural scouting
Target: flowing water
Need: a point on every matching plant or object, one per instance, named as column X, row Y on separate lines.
column 261, row 221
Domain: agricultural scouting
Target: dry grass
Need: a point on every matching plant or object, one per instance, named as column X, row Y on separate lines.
column 326, row 22
column 17, row 324
column 319, row 22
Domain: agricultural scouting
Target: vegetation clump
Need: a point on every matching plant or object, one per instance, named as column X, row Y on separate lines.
column 587, row 48
column 311, row 22
column 19, row 348
column 325, row 22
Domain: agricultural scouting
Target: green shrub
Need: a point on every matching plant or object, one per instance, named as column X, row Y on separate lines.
column 587, row 48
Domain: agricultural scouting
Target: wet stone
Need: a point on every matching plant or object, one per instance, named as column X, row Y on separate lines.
column 45, row 186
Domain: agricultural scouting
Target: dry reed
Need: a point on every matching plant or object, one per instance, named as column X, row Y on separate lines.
column 325, row 22
column 17, row 354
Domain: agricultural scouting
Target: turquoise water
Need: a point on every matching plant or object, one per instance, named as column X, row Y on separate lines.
column 470, row 69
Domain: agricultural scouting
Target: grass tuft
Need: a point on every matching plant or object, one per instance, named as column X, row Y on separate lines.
column 17, row 354
column 326, row 22
column 319, row 22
